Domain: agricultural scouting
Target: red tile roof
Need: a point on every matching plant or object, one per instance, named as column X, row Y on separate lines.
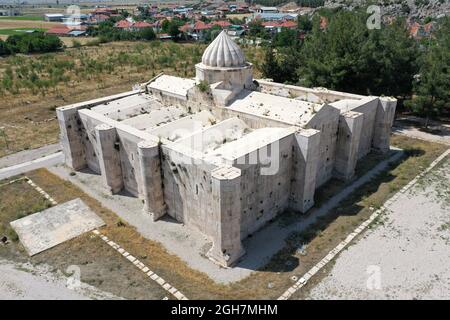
column 414, row 29
column 142, row 24
column 186, row 27
column 220, row 23
column 99, row 17
column 323, row 23
column 288, row 24
column 200, row 25
column 123, row 24
column 270, row 24
column 59, row 30
column 428, row 27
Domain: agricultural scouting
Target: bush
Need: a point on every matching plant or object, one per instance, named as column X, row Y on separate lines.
column 36, row 42
column 203, row 86
column 76, row 44
column 147, row 34
column 4, row 50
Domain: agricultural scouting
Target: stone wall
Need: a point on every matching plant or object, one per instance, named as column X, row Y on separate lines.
column 368, row 108
column 326, row 121
column 187, row 188
column 264, row 196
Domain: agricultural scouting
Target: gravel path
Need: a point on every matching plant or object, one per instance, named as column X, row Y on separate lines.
column 412, row 127
column 406, row 256
column 24, row 281
column 29, row 155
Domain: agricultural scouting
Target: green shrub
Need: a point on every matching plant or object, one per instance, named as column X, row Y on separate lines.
column 203, row 86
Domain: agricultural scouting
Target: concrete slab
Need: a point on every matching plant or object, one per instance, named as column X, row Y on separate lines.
column 172, row 85
column 48, row 228
column 291, row 111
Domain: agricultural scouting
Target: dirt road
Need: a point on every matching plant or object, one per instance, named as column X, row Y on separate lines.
column 406, row 255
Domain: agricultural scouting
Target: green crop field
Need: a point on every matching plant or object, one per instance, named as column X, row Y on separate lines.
column 9, row 32
column 31, row 18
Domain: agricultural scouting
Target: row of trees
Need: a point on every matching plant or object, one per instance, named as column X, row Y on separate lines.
column 106, row 32
column 36, row 42
column 347, row 56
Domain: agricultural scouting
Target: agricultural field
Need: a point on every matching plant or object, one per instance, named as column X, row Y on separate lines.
column 32, row 87
column 10, row 32
column 24, row 18
column 26, row 24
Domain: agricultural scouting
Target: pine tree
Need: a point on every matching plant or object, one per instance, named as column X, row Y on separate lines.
column 432, row 91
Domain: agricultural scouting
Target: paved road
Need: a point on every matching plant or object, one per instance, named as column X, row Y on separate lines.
column 406, row 256
column 410, row 126
column 29, row 155
column 46, row 161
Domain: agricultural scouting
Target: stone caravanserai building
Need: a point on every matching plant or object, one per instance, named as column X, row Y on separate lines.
column 223, row 153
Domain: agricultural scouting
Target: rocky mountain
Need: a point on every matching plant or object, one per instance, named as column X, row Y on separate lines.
column 413, row 8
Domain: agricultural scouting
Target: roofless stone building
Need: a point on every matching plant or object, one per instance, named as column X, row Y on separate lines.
column 223, row 153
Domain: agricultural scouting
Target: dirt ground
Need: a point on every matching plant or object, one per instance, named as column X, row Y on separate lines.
column 40, row 282
column 100, row 266
column 11, row 24
column 27, row 113
column 101, row 270
column 406, row 254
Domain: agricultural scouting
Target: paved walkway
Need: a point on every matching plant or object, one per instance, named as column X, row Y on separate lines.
column 46, row 161
column 411, row 127
column 407, row 255
column 29, row 155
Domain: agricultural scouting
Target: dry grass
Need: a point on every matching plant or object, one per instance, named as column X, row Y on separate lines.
column 18, row 200
column 27, row 112
column 320, row 238
column 69, row 41
column 32, row 24
column 100, row 265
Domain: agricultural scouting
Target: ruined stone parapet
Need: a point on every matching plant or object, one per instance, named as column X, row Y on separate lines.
column 383, row 124
column 109, row 157
column 347, row 145
column 306, row 156
column 226, row 210
column 71, row 138
column 152, row 189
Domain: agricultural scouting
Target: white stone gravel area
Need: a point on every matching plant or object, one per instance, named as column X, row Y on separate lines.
column 406, row 255
column 25, row 281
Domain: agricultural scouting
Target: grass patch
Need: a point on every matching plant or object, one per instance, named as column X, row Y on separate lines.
column 100, row 266
column 10, row 32
column 23, row 18
column 18, row 200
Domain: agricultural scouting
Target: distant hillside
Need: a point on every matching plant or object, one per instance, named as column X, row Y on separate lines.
column 411, row 8
column 300, row 3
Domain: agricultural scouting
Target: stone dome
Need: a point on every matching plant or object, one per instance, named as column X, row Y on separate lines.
column 223, row 52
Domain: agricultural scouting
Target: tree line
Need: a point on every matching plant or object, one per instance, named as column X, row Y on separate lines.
column 349, row 57
column 36, row 42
